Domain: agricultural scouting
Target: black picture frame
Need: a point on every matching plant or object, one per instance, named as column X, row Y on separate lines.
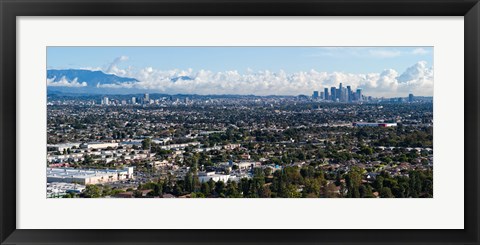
column 10, row 9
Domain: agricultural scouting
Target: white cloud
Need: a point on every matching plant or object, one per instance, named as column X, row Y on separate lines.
column 379, row 53
column 417, row 79
column 419, row 51
column 356, row 52
column 64, row 82
column 112, row 68
column 91, row 68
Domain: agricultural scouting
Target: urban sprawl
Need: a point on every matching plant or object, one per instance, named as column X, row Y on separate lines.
column 336, row 143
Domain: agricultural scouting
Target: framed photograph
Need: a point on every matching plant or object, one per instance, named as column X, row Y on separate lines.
column 168, row 122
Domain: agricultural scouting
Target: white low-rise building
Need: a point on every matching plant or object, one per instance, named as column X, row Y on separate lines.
column 59, row 189
column 179, row 146
column 161, row 140
column 61, row 147
column 99, row 145
column 247, row 165
column 88, row 176
column 207, row 176
column 62, row 158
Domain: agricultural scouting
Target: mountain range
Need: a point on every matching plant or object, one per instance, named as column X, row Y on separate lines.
column 83, row 81
column 78, row 81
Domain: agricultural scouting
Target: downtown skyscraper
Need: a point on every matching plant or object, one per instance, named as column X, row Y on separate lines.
column 340, row 94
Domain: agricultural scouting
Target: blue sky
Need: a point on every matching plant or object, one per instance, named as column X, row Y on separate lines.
column 379, row 71
column 217, row 59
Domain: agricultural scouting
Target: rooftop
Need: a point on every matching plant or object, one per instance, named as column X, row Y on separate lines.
column 81, row 173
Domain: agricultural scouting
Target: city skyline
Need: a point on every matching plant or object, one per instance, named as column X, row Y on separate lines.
column 228, row 122
column 379, row 72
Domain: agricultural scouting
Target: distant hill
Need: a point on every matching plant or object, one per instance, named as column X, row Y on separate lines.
column 185, row 78
column 84, row 82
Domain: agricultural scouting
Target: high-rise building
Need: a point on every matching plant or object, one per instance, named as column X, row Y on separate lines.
column 105, row 101
column 349, row 94
column 315, row 95
column 326, row 97
column 146, row 99
column 333, row 93
column 134, row 100
column 359, row 94
column 322, row 95
column 410, row 98
column 344, row 95
column 341, row 93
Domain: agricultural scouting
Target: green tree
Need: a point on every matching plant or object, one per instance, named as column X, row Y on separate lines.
column 265, row 192
column 244, row 186
column 415, row 184
column 312, row 188
column 157, row 189
column 211, row 185
column 106, row 191
column 330, row 190
column 428, row 187
column 292, row 192
column 367, row 150
column 69, row 195
column 220, row 188
column 232, row 190
column 197, row 195
column 92, row 191
column 386, row 192
column 378, row 183
column 365, row 191
column 353, row 181
column 267, row 171
column 189, row 183
column 137, row 194
column 146, row 143
column 205, row 189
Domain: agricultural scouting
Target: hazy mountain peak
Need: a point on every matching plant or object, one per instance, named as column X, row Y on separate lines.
column 82, row 81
